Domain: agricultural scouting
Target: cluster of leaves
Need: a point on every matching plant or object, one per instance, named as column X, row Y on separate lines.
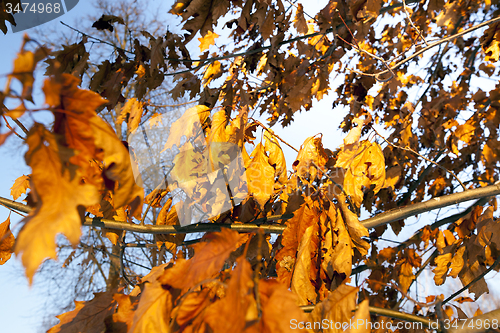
column 449, row 132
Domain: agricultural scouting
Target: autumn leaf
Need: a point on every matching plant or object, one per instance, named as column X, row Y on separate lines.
column 20, row 186
column 299, row 21
column 61, row 192
column 279, row 308
column 189, row 125
column 117, row 167
column 87, row 316
column 364, row 166
column 153, row 311
column 209, row 257
column 361, row 319
column 238, row 307
column 336, row 308
column 311, row 156
column 122, row 319
column 132, row 111
column 207, row 40
column 276, row 156
column 260, row 176
column 301, row 283
column 6, row 241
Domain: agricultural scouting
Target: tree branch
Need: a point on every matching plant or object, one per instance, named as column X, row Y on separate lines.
column 373, row 222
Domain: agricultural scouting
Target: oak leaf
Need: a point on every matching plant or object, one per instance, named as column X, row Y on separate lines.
column 361, row 319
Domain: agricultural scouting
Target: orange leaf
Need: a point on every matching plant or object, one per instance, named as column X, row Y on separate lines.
column 238, row 306
column 20, row 186
column 153, row 310
column 208, row 260
column 336, row 308
column 301, row 282
column 88, row 316
column 6, row 241
column 207, row 40
column 61, row 192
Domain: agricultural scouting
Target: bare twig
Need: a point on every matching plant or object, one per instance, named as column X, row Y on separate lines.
column 405, row 8
column 479, row 277
column 421, row 156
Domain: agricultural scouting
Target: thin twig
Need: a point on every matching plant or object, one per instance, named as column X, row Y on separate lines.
column 423, row 157
column 479, row 277
column 405, row 8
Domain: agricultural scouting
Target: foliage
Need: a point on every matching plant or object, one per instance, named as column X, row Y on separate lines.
column 441, row 149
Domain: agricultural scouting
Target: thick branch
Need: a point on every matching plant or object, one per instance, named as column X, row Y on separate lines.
column 387, row 313
column 381, row 219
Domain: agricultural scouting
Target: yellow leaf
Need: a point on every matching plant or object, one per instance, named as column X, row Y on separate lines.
column 24, row 65
column 361, row 319
column 212, row 72
column 276, row 156
column 189, row 125
column 311, row 156
column 207, row 40
column 336, row 308
column 20, row 186
column 301, row 282
column 260, row 176
column 117, row 167
column 442, row 261
column 153, row 310
column 365, row 166
column 61, row 194
column 6, row 241
column 354, row 133
column 134, row 109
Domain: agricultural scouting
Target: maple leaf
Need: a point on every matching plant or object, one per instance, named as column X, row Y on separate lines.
column 207, row 40
column 7, row 240
column 208, row 259
column 87, row 316
column 20, row 186
column 61, row 192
